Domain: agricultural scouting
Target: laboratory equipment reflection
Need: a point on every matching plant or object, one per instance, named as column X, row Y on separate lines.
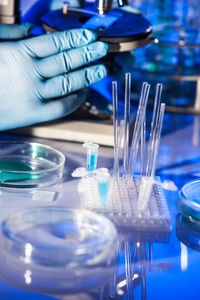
column 127, row 278
column 135, row 262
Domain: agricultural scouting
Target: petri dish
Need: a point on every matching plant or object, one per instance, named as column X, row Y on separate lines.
column 56, row 250
column 189, row 201
column 188, row 232
column 59, row 237
column 29, row 165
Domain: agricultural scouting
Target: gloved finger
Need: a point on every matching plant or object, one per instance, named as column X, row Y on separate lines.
column 68, row 83
column 15, row 31
column 61, row 107
column 69, row 60
column 56, row 42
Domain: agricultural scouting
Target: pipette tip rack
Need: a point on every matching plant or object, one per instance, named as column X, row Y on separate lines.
column 122, row 204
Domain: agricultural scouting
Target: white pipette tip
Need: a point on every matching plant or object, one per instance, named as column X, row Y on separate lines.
column 146, row 186
column 145, row 190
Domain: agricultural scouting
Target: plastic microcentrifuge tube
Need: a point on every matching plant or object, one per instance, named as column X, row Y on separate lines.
column 103, row 176
column 92, row 154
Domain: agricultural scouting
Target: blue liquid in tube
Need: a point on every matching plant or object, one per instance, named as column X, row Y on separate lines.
column 103, row 192
column 91, row 162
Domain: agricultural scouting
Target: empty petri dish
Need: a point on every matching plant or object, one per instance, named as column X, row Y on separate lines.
column 189, row 201
column 57, row 250
column 60, row 237
column 29, row 165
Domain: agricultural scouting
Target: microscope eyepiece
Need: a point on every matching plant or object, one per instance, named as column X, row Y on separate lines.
column 104, row 6
column 122, row 2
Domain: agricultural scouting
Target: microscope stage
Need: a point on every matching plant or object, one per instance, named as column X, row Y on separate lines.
column 129, row 30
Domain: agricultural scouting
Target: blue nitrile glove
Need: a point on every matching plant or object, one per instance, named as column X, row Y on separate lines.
column 14, row 31
column 37, row 69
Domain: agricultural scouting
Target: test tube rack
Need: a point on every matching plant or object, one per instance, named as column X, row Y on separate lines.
column 122, row 204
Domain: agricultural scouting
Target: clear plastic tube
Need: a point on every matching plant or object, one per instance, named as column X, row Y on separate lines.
column 115, row 114
column 137, row 129
column 92, row 155
column 126, row 121
column 153, row 127
column 157, row 139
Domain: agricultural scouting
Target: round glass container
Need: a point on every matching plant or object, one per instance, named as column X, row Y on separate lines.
column 29, row 165
column 189, row 201
column 60, row 237
column 57, row 250
column 188, row 232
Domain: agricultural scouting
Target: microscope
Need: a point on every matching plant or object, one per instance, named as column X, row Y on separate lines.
column 124, row 28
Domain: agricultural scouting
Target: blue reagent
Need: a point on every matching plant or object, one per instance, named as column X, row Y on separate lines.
column 103, row 176
column 103, row 192
column 91, row 162
column 92, row 154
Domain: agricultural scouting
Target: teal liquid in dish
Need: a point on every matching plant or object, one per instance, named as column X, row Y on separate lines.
column 9, row 171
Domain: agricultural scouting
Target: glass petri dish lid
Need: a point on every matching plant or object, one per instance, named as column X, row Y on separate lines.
column 189, row 201
column 59, row 237
column 188, row 232
column 29, row 165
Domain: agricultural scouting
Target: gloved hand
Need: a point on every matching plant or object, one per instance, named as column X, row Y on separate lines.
column 14, row 31
column 35, row 70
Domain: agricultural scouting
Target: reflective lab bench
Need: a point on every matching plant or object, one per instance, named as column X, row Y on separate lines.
column 163, row 266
